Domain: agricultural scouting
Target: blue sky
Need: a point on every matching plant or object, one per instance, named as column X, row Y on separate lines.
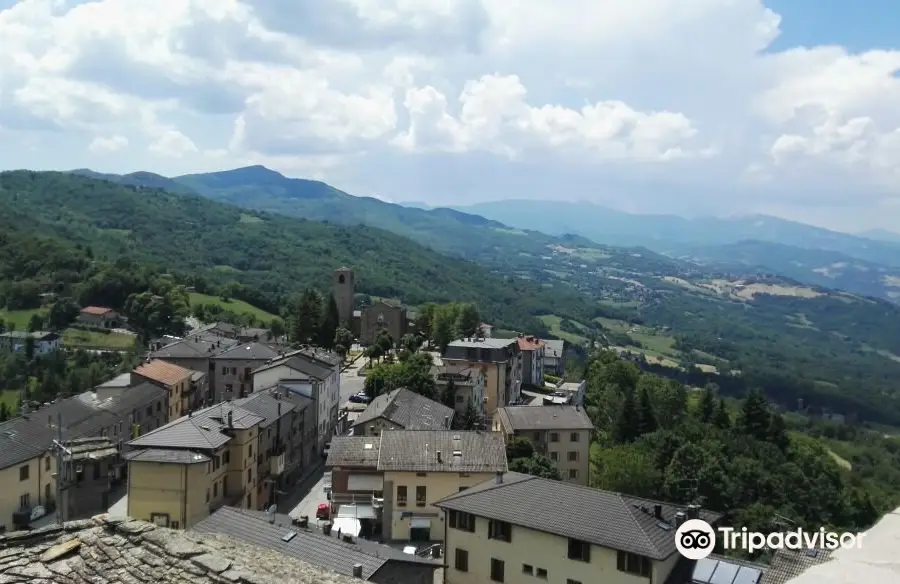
column 855, row 25
column 673, row 106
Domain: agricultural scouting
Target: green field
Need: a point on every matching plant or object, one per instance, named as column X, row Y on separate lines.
column 20, row 318
column 235, row 306
column 74, row 338
column 551, row 321
column 10, row 397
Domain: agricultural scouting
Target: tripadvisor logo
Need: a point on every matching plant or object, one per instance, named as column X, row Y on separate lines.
column 695, row 539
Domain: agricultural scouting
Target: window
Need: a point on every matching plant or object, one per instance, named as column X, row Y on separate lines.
column 420, row 496
column 23, row 473
column 554, row 436
column 224, row 370
column 498, row 567
column 500, row 530
column 574, row 437
column 47, row 463
column 462, row 560
column 25, row 501
column 579, row 550
column 226, row 457
column 207, row 495
column 401, row 495
column 542, row 573
column 250, row 451
column 573, row 473
column 462, row 521
column 96, row 471
column 634, row 564
column 570, row 581
column 249, row 475
column 215, row 489
column 149, row 411
column 158, row 406
column 573, row 455
column 528, row 569
column 421, row 474
column 554, row 456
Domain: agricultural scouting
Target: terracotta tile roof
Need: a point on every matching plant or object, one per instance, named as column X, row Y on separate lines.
column 96, row 310
column 529, row 343
column 163, row 372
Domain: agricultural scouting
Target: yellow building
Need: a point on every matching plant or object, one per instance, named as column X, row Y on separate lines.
column 561, row 433
column 180, row 473
column 421, row 467
column 517, row 529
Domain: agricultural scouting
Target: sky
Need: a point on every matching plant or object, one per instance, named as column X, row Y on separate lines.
column 695, row 107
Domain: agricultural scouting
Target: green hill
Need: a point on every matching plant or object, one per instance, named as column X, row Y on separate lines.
column 275, row 256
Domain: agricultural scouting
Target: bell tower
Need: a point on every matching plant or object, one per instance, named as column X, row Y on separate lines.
column 343, row 287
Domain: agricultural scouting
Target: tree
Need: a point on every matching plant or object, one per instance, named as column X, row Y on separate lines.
column 708, row 404
column 277, row 328
column 627, row 422
column 539, row 466
column 467, row 320
column 61, row 314
column 469, row 420
column 331, row 321
column 35, row 323
column 424, row 318
column 777, row 432
column 304, row 317
column 442, row 326
column 384, row 341
column 646, row 418
column 5, row 412
column 410, row 343
column 722, row 419
column 448, row 396
column 344, row 337
column 754, row 418
column 519, row 448
column 373, row 353
column 626, row 468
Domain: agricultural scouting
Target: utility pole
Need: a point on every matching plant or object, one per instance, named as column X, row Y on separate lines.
column 61, row 469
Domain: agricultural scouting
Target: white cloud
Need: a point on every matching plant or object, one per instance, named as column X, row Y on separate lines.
column 663, row 104
column 102, row 144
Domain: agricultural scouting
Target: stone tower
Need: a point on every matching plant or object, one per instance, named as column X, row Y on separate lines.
column 344, row 287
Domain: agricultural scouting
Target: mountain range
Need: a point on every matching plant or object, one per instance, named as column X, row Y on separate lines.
column 866, row 264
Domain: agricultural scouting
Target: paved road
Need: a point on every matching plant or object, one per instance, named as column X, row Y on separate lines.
column 351, row 381
column 311, row 496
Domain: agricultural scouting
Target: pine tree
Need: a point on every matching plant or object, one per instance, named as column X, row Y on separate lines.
column 331, row 321
column 721, row 418
column 646, row 417
column 625, row 428
column 448, row 397
column 777, row 432
column 708, row 405
column 754, row 419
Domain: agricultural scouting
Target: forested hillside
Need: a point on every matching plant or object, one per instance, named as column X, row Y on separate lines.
column 271, row 255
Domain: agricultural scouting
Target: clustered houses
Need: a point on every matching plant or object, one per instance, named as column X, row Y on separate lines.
column 44, row 341
column 532, row 349
column 499, row 359
column 402, row 409
column 94, row 428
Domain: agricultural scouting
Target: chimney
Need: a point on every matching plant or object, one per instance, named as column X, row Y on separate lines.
column 679, row 519
column 693, row 512
column 657, row 511
column 357, row 570
column 499, row 477
column 440, row 461
column 231, row 419
column 190, row 413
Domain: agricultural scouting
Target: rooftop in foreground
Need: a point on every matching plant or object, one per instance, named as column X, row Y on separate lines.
column 106, row 550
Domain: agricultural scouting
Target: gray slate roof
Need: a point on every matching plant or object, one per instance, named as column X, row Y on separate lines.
column 301, row 363
column 197, row 346
column 114, row 550
column 485, row 343
column 266, row 405
column 167, row 456
column 308, row 545
column 252, row 351
column 354, row 451
column 553, row 417
column 603, row 518
column 83, row 415
column 408, row 410
column 417, row 451
column 202, row 430
column 554, row 347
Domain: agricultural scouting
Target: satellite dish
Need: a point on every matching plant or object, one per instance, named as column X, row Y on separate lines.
column 271, row 510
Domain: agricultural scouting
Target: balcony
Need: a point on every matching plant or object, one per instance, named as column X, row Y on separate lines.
column 276, row 464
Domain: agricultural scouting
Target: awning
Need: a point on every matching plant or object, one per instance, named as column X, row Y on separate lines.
column 420, row 523
column 365, row 482
column 346, row 525
column 357, row 511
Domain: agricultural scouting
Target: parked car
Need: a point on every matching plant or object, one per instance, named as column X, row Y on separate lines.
column 360, row 398
column 323, row 511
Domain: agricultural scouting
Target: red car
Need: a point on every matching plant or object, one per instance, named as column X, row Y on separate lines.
column 323, row 511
